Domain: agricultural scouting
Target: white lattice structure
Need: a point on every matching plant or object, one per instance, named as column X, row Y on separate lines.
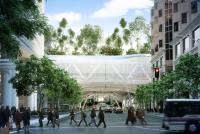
column 107, row 75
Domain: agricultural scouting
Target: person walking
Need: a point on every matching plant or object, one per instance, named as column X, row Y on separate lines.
column 7, row 116
column 72, row 116
column 2, row 117
column 140, row 115
column 131, row 116
column 55, row 118
column 83, row 117
column 26, row 120
column 18, row 119
column 49, row 117
column 41, row 117
column 101, row 118
column 93, row 117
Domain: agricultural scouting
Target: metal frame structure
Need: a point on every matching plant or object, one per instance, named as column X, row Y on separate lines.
column 114, row 76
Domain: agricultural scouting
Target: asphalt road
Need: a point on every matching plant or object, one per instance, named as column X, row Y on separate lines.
column 115, row 125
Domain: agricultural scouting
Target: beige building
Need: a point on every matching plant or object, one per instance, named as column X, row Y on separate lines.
column 187, row 41
column 169, row 18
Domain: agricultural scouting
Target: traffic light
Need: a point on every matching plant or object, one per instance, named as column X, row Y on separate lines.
column 157, row 72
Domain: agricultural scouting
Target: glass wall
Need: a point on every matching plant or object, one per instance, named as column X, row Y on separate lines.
column 186, row 44
column 196, row 35
column 177, row 50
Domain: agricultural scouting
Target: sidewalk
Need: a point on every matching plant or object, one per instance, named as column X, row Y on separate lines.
column 155, row 114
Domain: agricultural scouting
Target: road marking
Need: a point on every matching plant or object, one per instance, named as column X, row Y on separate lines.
column 152, row 128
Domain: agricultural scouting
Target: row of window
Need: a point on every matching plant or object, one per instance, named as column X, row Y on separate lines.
column 194, row 8
column 186, row 43
column 176, row 24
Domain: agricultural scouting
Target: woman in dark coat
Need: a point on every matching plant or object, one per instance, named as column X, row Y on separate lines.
column 72, row 115
column 101, row 118
column 26, row 120
column 18, row 119
column 131, row 116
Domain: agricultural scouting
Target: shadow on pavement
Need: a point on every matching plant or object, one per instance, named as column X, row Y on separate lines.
column 173, row 132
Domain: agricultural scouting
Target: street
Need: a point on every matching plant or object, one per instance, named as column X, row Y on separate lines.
column 115, row 125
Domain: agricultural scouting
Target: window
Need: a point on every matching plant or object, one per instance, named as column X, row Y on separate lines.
column 152, row 12
column 152, row 51
column 186, row 44
column 175, row 7
column 156, row 5
column 168, row 37
column 177, row 50
column 194, row 7
column 161, row 61
column 160, row 28
column 176, row 27
column 156, row 48
column 160, row 13
column 169, row 52
column 156, row 63
column 182, row 1
column 160, row 43
column 184, row 18
column 195, row 35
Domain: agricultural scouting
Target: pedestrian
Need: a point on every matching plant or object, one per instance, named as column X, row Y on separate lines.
column 2, row 117
column 93, row 117
column 101, row 118
column 55, row 118
column 131, row 116
column 7, row 116
column 50, row 117
column 83, row 117
column 26, row 120
column 41, row 117
column 18, row 119
column 140, row 115
column 72, row 116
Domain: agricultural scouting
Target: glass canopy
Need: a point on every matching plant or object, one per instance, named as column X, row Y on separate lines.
column 107, row 73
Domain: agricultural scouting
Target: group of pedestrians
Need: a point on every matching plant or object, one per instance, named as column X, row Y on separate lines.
column 53, row 117
column 18, row 116
column 92, row 116
column 134, row 115
column 21, row 117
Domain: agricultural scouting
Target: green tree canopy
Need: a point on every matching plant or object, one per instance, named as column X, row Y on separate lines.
column 44, row 77
column 138, row 28
column 19, row 19
column 188, row 72
column 88, row 39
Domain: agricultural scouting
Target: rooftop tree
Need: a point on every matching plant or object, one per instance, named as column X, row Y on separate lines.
column 89, row 38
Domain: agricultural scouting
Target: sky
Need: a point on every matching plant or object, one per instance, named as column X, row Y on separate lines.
column 104, row 13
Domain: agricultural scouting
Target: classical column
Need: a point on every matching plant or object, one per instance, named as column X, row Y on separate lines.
column 15, row 99
column 7, row 88
column 32, row 101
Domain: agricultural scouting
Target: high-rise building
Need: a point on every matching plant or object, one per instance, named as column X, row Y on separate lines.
column 169, row 18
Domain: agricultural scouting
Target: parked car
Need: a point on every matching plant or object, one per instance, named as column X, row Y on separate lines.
column 108, row 109
column 118, row 110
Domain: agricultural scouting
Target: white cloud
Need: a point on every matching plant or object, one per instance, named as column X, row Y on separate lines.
column 116, row 8
column 138, row 12
column 71, row 17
